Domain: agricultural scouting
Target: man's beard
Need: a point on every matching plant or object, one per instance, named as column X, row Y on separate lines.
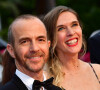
column 26, row 64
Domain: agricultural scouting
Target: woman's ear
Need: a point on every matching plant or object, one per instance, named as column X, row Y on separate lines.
column 10, row 50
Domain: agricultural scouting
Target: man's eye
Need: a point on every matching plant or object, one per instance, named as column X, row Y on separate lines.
column 61, row 28
column 24, row 41
column 41, row 39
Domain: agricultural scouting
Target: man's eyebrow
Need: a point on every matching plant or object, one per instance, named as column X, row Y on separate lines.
column 23, row 38
column 42, row 36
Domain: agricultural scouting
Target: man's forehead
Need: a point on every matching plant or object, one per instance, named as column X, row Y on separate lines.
column 29, row 28
column 24, row 21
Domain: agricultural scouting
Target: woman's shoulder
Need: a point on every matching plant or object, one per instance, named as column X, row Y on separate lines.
column 97, row 69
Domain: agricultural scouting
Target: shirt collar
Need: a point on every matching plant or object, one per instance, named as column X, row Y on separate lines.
column 27, row 80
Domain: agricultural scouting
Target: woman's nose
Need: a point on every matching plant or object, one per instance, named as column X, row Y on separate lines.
column 70, row 32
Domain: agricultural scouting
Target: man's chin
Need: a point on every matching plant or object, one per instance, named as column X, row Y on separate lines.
column 34, row 68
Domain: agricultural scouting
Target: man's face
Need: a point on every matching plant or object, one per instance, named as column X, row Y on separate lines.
column 31, row 47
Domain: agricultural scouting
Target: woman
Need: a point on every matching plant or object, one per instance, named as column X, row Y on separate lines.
column 65, row 32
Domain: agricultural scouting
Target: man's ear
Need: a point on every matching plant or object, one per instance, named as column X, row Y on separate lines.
column 49, row 43
column 10, row 50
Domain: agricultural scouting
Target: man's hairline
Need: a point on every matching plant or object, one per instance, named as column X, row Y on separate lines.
column 13, row 25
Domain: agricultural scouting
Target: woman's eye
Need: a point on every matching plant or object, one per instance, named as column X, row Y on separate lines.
column 74, row 25
column 61, row 28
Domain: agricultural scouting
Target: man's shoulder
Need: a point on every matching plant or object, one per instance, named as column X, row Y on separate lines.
column 14, row 84
column 9, row 86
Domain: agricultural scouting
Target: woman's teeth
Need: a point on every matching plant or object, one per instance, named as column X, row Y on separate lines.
column 72, row 41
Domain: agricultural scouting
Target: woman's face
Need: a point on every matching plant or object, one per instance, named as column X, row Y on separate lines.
column 69, row 34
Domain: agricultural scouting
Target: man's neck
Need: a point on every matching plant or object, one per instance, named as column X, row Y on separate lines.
column 34, row 75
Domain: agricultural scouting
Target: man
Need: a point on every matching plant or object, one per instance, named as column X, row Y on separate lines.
column 28, row 45
column 94, row 47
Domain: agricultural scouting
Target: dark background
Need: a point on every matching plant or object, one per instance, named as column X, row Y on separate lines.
column 88, row 10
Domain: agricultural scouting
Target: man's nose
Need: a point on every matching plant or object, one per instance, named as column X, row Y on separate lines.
column 34, row 47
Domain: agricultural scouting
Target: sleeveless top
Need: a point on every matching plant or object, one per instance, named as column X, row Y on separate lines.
column 94, row 72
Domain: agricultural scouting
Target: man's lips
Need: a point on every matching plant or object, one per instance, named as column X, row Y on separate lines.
column 35, row 58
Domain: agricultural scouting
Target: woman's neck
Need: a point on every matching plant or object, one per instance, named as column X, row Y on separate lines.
column 69, row 62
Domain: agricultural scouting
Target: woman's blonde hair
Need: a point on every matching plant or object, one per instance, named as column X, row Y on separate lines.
column 50, row 21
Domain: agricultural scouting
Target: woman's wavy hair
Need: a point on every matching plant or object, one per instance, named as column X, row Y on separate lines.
column 50, row 21
column 8, row 62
